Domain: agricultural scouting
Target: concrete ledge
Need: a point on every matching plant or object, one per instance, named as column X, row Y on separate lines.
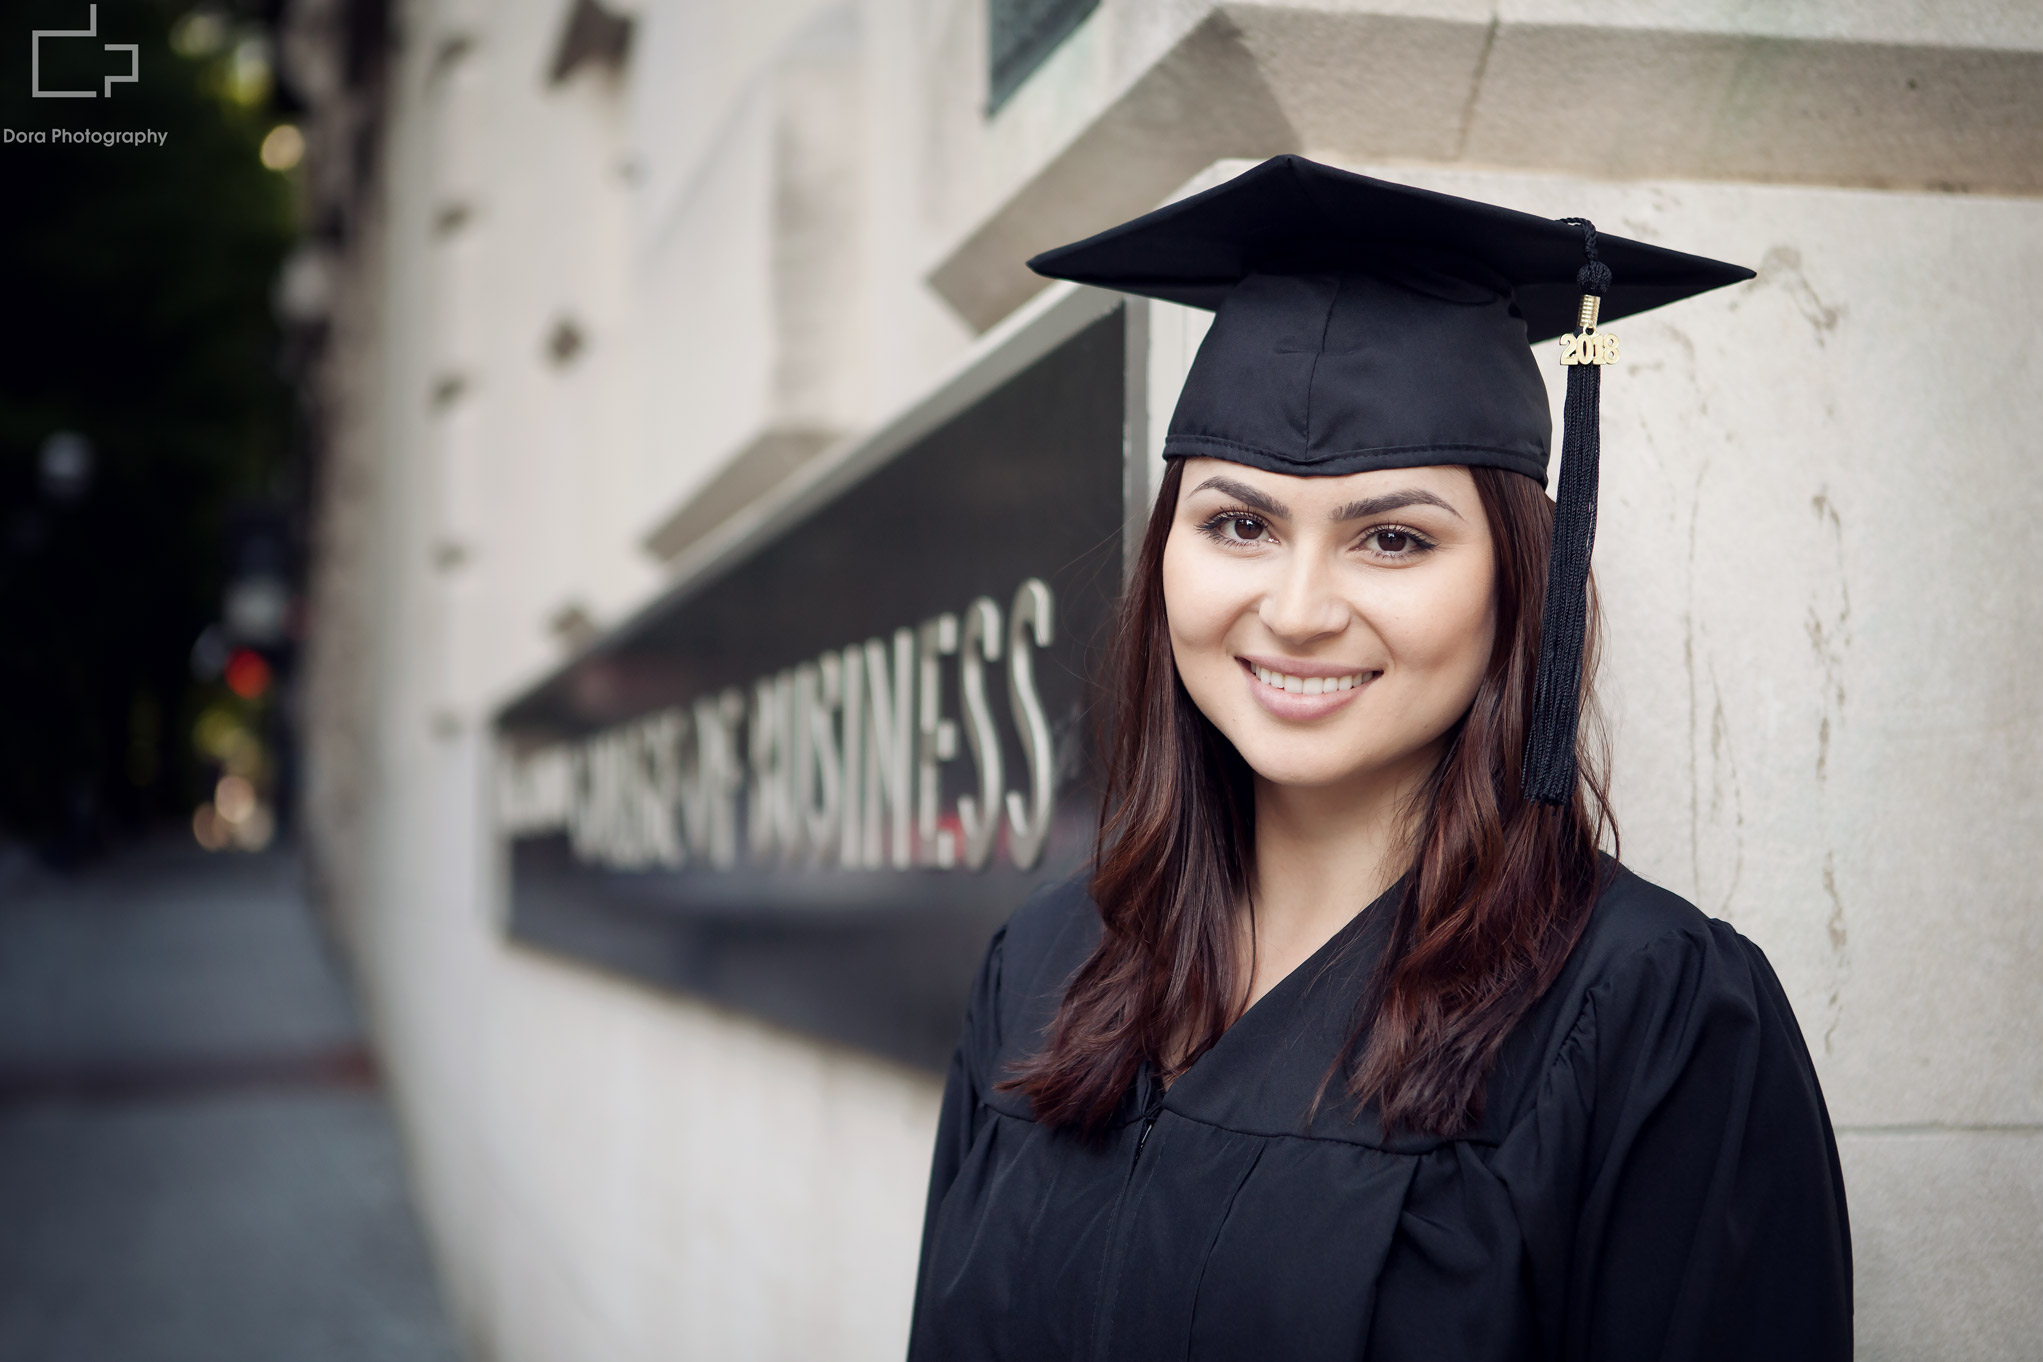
column 1253, row 80
column 1624, row 103
column 761, row 465
column 1204, row 101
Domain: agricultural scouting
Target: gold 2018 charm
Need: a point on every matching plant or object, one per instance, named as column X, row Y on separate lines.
column 1589, row 347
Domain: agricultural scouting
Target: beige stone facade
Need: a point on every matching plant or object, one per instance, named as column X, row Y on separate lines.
column 579, row 326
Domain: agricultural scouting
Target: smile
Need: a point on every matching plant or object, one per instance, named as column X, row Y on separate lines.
column 1296, row 698
column 1308, row 685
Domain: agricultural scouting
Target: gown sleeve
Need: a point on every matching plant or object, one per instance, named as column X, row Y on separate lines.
column 1706, row 1217
column 958, row 1118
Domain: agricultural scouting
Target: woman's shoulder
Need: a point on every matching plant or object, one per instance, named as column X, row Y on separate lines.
column 1053, row 931
column 1648, row 951
column 1045, row 942
column 1029, row 962
column 1633, row 915
column 1651, row 982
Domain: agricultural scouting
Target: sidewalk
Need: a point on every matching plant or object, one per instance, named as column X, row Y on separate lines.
column 196, row 1164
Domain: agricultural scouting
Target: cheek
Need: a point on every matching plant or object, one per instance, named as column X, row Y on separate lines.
column 1447, row 638
column 1200, row 601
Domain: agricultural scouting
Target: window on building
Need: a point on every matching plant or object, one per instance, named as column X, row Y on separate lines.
column 1021, row 33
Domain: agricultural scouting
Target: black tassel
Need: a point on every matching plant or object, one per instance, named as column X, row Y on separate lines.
column 1548, row 776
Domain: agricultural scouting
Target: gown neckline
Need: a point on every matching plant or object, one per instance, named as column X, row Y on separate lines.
column 1239, row 1062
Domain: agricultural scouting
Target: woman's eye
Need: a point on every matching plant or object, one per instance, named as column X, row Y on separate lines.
column 1391, row 542
column 1241, row 529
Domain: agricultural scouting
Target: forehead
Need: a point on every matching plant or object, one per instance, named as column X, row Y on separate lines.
column 1450, row 482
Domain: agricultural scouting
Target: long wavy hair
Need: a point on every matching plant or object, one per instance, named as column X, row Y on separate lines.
column 1495, row 895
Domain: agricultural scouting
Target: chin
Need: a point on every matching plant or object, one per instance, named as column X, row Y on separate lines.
column 1351, row 755
column 1310, row 767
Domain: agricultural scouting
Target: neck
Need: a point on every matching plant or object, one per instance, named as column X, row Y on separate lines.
column 1323, row 854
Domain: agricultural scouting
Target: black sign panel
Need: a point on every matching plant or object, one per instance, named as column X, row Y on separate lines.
column 812, row 787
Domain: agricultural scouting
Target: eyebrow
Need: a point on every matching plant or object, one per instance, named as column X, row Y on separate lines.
column 1392, row 501
column 1354, row 510
column 1248, row 495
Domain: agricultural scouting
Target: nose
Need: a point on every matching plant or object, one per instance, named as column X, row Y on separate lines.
column 1302, row 605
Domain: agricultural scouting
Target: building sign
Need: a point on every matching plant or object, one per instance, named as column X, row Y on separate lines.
column 837, row 762
column 812, row 780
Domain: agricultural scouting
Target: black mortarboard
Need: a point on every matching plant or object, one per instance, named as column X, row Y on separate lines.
column 1363, row 324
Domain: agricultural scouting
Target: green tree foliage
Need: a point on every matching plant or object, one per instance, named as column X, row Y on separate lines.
column 137, row 284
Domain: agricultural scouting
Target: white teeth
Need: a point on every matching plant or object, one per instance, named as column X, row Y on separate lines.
column 1308, row 685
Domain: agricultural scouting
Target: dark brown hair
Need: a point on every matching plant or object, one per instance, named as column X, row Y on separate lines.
column 1497, row 890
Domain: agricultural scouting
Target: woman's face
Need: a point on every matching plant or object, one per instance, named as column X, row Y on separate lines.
column 1333, row 628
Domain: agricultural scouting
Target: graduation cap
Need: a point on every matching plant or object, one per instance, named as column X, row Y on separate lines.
column 1363, row 324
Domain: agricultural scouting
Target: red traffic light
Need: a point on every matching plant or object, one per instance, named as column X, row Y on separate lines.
column 248, row 675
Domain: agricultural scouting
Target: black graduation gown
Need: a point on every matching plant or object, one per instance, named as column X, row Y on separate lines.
column 1654, row 1176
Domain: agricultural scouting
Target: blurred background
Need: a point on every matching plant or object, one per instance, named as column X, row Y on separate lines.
column 196, row 1160
column 155, row 462
column 379, row 374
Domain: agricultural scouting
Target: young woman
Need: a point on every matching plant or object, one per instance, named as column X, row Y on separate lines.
column 1355, row 1046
